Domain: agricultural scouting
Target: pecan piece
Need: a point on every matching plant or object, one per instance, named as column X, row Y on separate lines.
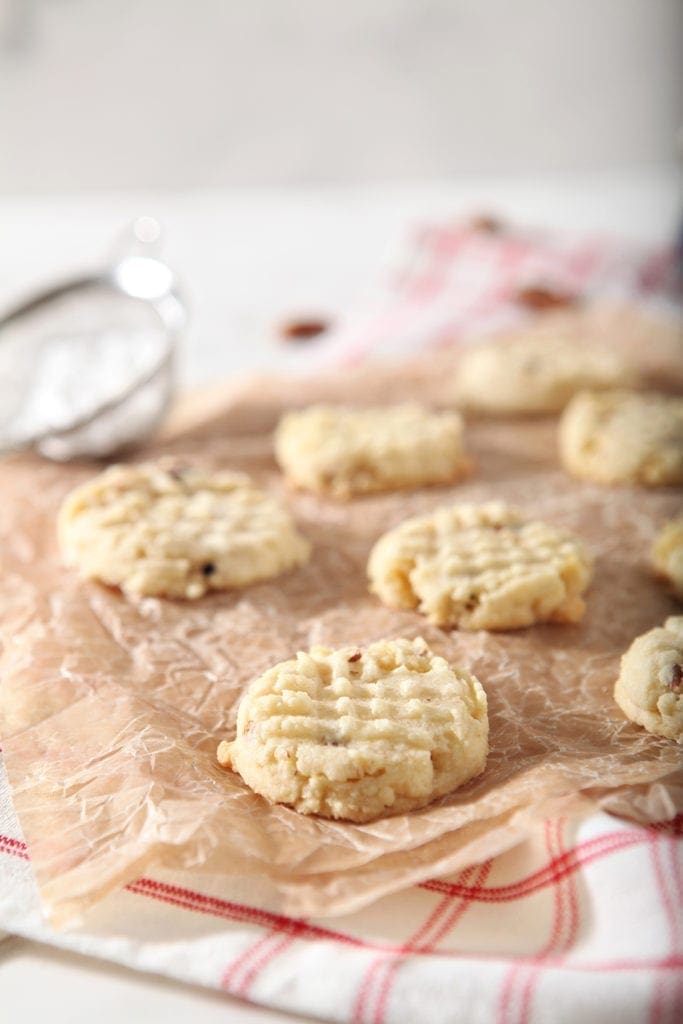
column 541, row 297
column 486, row 223
column 304, row 329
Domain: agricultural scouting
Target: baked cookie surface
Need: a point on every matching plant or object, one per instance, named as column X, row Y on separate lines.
column 623, row 437
column 357, row 734
column 341, row 451
column 481, row 567
column 667, row 554
column 535, row 373
column 649, row 689
column 176, row 532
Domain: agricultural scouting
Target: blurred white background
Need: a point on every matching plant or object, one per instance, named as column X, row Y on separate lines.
column 174, row 93
column 285, row 145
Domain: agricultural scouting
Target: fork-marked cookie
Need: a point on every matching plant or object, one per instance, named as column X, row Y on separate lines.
column 357, row 734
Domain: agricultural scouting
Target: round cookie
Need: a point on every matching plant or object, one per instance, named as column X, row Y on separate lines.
column 176, row 532
column 535, row 372
column 649, row 689
column 481, row 567
column 624, row 437
column 667, row 554
column 341, row 451
column 357, row 734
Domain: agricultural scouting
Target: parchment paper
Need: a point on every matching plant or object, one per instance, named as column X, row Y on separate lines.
column 112, row 708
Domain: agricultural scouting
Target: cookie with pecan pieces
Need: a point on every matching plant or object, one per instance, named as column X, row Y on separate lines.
column 158, row 530
column 481, row 567
column 624, row 437
column 649, row 689
column 358, row 734
column 342, row 451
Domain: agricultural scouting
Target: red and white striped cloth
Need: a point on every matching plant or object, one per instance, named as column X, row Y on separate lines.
column 449, row 282
column 584, row 921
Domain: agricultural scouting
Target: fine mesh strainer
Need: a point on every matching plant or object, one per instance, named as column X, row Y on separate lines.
column 86, row 366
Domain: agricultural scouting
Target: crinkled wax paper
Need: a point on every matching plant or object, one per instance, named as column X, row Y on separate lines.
column 112, row 708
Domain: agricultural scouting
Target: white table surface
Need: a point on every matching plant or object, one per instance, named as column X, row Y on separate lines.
column 249, row 258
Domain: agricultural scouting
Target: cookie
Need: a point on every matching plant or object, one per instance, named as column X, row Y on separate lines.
column 176, row 532
column 481, row 567
column 357, row 734
column 667, row 554
column 649, row 689
column 535, row 372
column 623, row 437
column 340, row 451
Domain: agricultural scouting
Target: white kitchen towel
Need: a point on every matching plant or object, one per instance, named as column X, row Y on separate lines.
column 575, row 924
column 581, row 922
